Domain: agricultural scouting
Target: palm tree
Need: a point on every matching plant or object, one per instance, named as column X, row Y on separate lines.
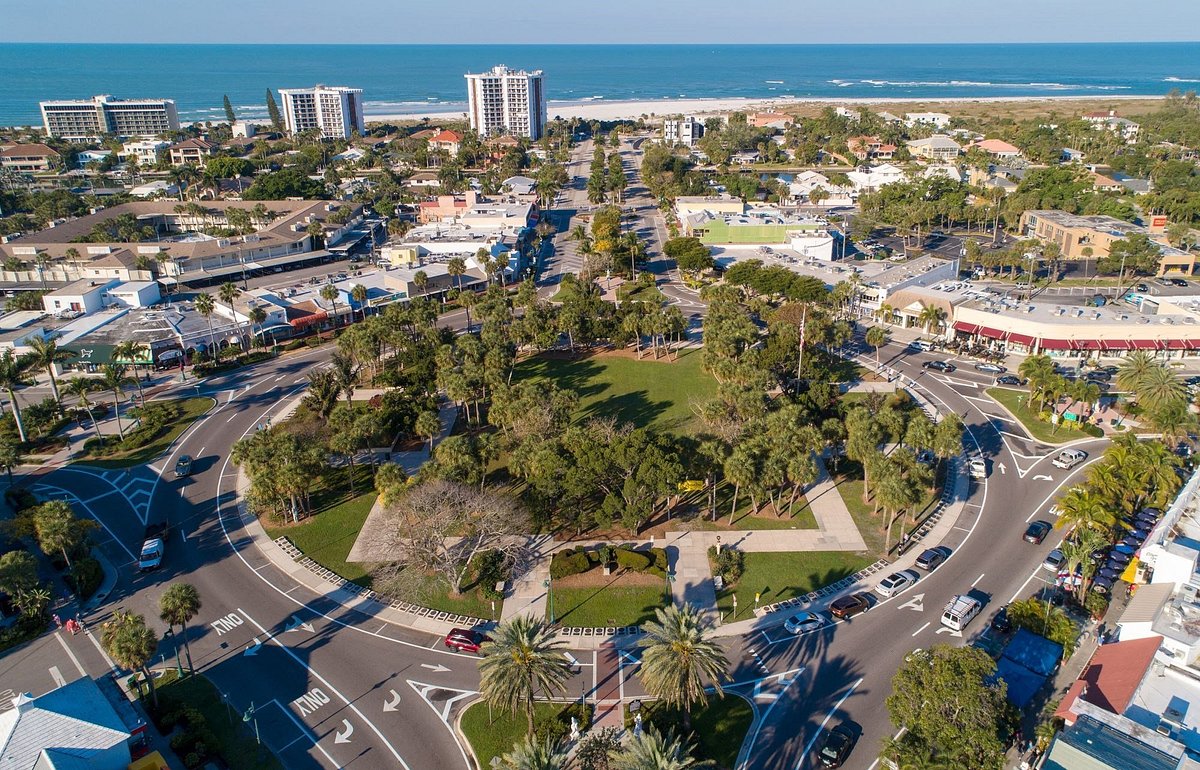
column 257, row 317
column 45, row 354
column 1077, row 553
column 522, row 660
column 131, row 644
column 227, row 293
column 80, row 387
column 205, row 307
column 329, row 293
column 885, row 313
column 456, row 267
column 345, row 374
column 681, row 659
column 177, row 605
column 652, row 750
column 1039, row 371
column 1133, row 370
column 877, row 337
column 11, row 456
column 130, row 350
column 428, row 425
column 533, row 754
column 931, row 317
column 14, row 374
column 1159, row 386
column 1084, row 508
column 113, row 378
column 421, row 280
column 359, row 295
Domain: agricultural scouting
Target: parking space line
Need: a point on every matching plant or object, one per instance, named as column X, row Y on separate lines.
column 57, row 676
column 976, row 581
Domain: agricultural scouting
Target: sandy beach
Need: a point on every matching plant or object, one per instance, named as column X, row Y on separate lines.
column 619, row 110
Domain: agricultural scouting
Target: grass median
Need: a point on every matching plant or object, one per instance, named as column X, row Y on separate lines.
column 493, row 732
column 718, row 729
column 778, row 576
column 1017, row 402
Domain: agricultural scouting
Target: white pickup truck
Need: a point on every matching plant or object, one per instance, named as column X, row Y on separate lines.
column 154, row 545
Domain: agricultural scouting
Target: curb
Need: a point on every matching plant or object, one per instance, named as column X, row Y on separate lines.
column 107, row 585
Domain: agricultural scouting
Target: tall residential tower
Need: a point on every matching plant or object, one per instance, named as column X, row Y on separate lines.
column 336, row 110
column 505, row 101
column 87, row 120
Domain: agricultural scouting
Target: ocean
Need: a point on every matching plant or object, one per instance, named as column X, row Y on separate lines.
column 408, row 78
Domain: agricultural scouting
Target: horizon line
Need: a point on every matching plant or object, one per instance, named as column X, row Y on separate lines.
column 610, row 43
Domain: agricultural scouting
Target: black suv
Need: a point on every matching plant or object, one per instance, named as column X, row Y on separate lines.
column 836, row 746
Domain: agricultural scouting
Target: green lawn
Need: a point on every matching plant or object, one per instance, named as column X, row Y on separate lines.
column 779, row 576
column 235, row 742
column 1016, row 402
column 495, row 736
column 600, row 606
column 650, row 393
column 719, row 729
column 191, row 410
column 327, row 537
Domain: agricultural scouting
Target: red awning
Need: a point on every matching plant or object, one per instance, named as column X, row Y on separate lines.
column 1118, row 345
column 308, row 320
column 1178, row 344
column 1144, row 344
column 963, row 326
column 1021, row 339
column 987, row 331
column 1056, row 344
column 1087, row 345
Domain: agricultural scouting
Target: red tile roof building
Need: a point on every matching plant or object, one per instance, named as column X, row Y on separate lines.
column 1111, row 677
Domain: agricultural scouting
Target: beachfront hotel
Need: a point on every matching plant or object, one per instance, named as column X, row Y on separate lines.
column 336, row 111
column 87, row 120
column 506, row 101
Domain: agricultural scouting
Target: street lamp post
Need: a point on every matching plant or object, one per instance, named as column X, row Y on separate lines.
column 549, row 597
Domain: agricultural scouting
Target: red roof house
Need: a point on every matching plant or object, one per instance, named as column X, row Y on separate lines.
column 1111, row 677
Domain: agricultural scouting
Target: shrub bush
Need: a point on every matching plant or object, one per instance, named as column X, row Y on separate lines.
column 634, row 560
column 1092, row 430
column 729, row 564
column 86, row 576
column 550, row 726
column 295, row 344
column 566, row 563
column 20, row 498
column 660, row 558
column 493, row 569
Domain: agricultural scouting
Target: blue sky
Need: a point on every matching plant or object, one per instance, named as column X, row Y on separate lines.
column 611, row 21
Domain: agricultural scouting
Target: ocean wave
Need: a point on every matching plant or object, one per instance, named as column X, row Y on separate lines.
column 1051, row 86
column 1173, row 79
column 404, row 104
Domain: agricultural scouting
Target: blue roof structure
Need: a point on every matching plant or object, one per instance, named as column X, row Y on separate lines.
column 1027, row 661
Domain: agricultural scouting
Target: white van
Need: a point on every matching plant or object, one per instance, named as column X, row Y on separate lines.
column 960, row 611
column 925, row 345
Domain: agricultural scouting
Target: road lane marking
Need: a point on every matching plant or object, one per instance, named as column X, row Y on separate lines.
column 70, row 653
column 305, row 732
column 232, row 417
column 976, row 582
column 922, row 628
column 315, row 674
column 99, row 649
column 825, row 721
column 57, row 676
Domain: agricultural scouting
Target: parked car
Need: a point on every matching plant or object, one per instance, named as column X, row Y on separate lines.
column 1142, row 287
column 1178, row 282
column 1000, row 623
column 851, row 605
column 1036, row 532
column 977, row 468
column 991, row 368
column 153, row 547
column 836, row 746
column 1097, row 375
column 466, row 639
column 932, row 558
column 183, row 466
column 1009, row 379
column 926, row 457
column 803, row 622
column 1054, row 561
column 940, row 366
column 897, row 582
column 1068, row 458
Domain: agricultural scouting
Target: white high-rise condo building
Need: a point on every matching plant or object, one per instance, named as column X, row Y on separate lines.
column 506, row 101
column 683, row 131
column 336, row 110
column 87, row 120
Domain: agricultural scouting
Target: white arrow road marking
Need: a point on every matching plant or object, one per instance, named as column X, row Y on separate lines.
column 922, row 628
column 944, row 630
column 633, row 661
column 917, row 602
column 438, row 669
column 294, row 623
column 253, row 649
column 783, row 680
column 1003, row 469
column 443, row 713
column 1042, row 477
column 391, row 705
column 343, row 736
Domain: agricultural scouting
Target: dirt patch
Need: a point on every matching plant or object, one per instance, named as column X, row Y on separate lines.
column 595, row 578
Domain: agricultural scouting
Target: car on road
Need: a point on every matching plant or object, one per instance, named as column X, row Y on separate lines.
column 1000, row 623
column 1163, row 281
column 850, row 605
column 1141, row 287
column 1068, row 458
column 897, row 582
column 991, row 368
column 932, row 558
column 153, row 547
column 803, row 622
column 836, row 746
column 940, row 366
column 466, row 639
column 1054, row 561
column 1178, row 282
column 1036, row 532
column 977, row 468
column 1009, row 379
column 960, row 611
column 183, row 466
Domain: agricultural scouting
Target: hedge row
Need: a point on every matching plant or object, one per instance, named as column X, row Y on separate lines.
column 574, row 561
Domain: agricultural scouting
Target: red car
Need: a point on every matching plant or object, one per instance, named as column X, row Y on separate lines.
column 466, row 639
column 849, row 606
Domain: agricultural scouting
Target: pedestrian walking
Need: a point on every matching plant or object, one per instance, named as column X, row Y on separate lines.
column 57, row 620
column 73, row 627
